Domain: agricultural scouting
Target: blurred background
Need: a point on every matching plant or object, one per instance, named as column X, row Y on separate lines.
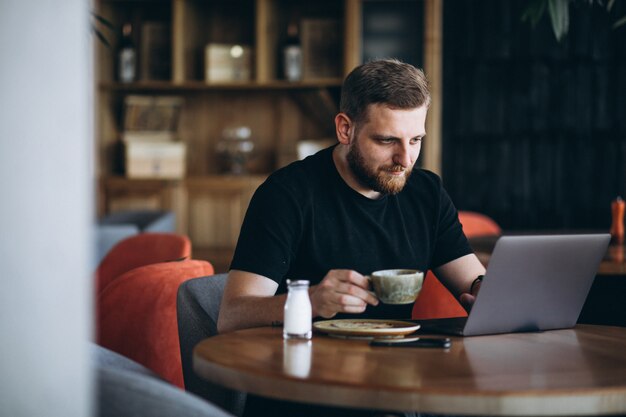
column 534, row 130
column 527, row 124
column 133, row 114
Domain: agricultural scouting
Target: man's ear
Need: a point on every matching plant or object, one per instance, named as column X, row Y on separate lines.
column 343, row 128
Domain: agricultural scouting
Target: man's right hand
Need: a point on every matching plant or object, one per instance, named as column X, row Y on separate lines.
column 341, row 291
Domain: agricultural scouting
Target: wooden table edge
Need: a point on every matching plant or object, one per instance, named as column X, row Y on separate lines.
column 555, row 402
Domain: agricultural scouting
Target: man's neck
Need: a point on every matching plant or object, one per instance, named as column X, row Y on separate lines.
column 340, row 158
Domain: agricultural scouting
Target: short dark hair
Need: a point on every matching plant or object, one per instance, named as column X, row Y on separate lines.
column 393, row 83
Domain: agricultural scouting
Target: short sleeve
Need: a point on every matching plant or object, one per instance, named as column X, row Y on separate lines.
column 270, row 232
column 450, row 241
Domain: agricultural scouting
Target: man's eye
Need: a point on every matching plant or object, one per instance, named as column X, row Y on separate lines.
column 386, row 140
column 416, row 140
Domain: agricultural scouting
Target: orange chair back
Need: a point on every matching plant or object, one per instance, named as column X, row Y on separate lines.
column 139, row 250
column 435, row 301
column 136, row 315
column 477, row 224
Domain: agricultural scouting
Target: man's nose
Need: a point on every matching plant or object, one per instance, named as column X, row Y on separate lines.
column 403, row 156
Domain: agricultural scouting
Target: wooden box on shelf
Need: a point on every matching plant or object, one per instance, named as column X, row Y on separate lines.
column 227, row 62
column 150, row 146
column 150, row 159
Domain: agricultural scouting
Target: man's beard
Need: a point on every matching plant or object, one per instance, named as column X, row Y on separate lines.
column 378, row 180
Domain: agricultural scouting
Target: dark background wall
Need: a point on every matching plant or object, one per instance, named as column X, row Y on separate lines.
column 534, row 131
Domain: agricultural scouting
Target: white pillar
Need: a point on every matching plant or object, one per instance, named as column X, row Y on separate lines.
column 46, row 200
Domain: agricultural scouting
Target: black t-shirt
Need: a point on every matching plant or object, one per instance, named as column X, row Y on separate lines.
column 304, row 220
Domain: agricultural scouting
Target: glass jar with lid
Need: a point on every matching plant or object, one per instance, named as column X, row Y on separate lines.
column 234, row 149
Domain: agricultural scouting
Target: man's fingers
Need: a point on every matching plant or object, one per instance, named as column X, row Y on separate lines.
column 355, row 278
column 358, row 292
column 467, row 301
column 331, row 308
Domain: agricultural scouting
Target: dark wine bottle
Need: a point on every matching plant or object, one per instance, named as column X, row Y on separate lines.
column 127, row 56
column 292, row 54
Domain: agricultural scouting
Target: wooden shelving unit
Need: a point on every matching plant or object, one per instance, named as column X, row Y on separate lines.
column 279, row 113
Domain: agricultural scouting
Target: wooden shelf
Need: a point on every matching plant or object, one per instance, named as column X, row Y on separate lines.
column 221, row 180
column 152, row 86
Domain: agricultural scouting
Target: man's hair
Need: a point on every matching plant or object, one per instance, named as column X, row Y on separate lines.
column 388, row 81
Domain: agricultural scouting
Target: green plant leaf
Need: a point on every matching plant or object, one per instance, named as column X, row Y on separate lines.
column 101, row 37
column 559, row 16
column 102, row 20
column 534, row 12
column 609, row 5
column 619, row 23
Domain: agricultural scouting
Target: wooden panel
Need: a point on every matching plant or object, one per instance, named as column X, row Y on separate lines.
column 179, row 41
column 266, row 41
column 189, row 39
column 123, row 194
column 216, row 207
column 216, row 219
column 352, row 42
column 433, row 46
column 285, row 143
column 135, row 202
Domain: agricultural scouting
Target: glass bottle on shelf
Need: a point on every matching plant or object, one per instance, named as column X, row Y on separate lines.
column 292, row 54
column 127, row 56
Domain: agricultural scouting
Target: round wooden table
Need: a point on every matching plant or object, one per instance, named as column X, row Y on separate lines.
column 580, row 371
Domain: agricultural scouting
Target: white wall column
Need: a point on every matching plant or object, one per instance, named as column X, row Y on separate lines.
column 45, row 208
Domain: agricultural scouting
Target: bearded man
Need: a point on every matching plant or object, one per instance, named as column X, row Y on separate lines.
column 359, row 206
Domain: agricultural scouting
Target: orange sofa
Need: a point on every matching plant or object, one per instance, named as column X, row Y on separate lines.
column 136, row 315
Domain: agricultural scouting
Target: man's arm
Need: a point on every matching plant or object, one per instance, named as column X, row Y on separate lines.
column 458, row 276
column 249, row 299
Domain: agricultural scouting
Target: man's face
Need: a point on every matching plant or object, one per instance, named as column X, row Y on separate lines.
column 385, row 147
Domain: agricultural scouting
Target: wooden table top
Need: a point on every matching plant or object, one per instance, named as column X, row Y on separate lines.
column 580, row 371
column 613, row 263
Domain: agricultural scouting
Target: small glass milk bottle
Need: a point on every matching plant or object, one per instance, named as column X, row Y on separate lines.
column 298, row 315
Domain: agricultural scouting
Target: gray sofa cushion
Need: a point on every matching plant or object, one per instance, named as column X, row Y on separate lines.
column 124, row 388
column 102, row 357
column 124, row 393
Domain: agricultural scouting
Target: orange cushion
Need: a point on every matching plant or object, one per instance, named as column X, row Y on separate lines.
column 136, row 315
column 139, row 250
column 435, row 301
column 477, row 224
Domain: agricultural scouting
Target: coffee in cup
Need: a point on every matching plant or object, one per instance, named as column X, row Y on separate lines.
column 397, row 286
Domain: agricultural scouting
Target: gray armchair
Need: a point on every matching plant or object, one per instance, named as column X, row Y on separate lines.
column 198, row 305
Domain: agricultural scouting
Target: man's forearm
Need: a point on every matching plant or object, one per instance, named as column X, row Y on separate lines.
column 250, row 311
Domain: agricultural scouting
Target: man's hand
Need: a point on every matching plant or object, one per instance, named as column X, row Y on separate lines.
column 467, row 299
column 341, row 291
column 458, row 276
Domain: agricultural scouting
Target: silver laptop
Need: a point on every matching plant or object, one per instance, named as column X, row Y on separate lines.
column 532, row 283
